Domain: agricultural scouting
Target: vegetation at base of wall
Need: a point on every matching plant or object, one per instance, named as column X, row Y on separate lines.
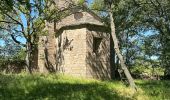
column 13, row 63
column 60, row 87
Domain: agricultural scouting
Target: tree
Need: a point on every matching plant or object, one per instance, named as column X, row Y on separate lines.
column 8, row 47
column 116, row 46
column 26, row 20
column 123, row 24
column 155, row 15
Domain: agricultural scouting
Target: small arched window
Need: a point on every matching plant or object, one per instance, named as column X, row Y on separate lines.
column 96, row 44
column 78, row 15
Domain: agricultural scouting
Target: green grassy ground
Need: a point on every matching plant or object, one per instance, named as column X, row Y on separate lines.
column 59, row 87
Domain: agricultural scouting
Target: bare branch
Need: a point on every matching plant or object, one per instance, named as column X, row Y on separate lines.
column 16, row 41
column 13, row 19
column 13, row 37
column 2, row 28
column 8, row 22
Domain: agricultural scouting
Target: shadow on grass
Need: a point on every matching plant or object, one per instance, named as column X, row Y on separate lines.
column 29, row 88
column 68, row 91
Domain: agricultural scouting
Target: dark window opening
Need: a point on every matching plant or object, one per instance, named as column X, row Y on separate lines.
column 96, row 44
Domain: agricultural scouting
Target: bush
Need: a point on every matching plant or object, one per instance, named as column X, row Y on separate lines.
column 147, row 72
column 14, row 64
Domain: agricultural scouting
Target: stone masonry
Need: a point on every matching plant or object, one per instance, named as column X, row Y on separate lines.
column 77, row 45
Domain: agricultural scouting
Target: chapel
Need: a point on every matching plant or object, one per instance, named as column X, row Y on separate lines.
column 78, row 44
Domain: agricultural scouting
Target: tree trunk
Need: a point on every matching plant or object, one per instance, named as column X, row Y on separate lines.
column 127, row 50
column 28, row 57
column 116, row 47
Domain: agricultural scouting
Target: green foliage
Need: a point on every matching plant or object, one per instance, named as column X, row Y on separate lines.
column 18, row 59
column 4, row 3
column 2, row 61
column 132, row 19
column 97, row 4
column 147, row 71
column 20, row 56
column 81, row 2
column 25, row 20
column 155, row 15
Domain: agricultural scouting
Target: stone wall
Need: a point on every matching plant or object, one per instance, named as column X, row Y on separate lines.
column 75, row 55
column 98, row 62
column 71, row 52
column 13, row 66
column 47, row 51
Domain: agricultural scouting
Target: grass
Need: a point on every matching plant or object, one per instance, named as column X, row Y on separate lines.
column 154, row 89
column 60, row 87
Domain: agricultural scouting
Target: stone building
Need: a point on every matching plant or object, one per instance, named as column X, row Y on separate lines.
column 77, row 45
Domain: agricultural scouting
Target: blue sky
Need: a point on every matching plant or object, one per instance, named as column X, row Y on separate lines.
column 1, row 42
column 89, row 1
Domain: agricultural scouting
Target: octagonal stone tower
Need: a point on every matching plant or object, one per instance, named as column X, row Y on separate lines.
column 78, row 45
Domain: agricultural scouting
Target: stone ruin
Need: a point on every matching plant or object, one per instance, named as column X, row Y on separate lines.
column 77, row 45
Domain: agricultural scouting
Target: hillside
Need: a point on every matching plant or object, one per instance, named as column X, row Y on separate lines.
column 60, row 87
